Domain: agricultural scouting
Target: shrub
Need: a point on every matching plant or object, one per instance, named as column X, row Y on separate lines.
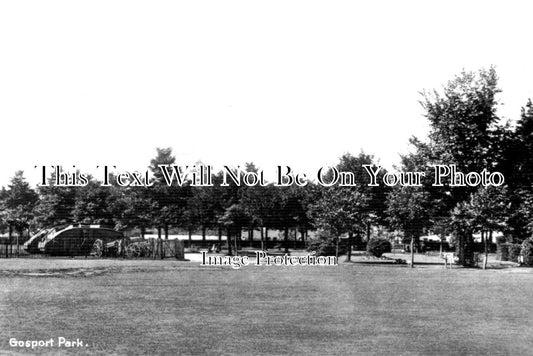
column 326, row 245
column 514, row 252
column 378, row 247
column 509, row 251
column 503, row 251
column 527, row 251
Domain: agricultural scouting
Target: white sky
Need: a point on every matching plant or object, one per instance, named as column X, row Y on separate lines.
column 89, row 83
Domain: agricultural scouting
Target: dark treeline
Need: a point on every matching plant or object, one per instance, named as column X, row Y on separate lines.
column 464, row 130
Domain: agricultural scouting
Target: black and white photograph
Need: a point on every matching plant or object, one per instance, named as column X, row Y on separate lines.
column 266, row 177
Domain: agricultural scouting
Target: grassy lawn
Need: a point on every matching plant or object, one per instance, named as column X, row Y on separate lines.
column 170, row 307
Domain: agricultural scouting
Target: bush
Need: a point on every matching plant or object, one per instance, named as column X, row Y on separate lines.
column 514, row 252
column 527, row 251
column 326, row 245
column 377, row 247
column 509, row 251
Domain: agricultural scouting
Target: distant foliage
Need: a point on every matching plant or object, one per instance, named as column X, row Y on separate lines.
column 527, row 251
column 377, row 247
column 510, row 251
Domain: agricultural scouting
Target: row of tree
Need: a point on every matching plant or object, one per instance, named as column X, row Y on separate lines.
column 464, row 130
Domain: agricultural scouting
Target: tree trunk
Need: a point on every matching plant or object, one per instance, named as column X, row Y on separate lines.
column 459, row 249
column 238, row 234
column 190, row 237
column 350, row 239
column 228, row 240
column 464, row 250
column 19, row 233
column 203, row 233
column 286, row 239
column 412, row 251
column 162, row 243
column 368, row 226
column 158, row 249
column 262, row 239
column 358, row 240
column 487, row 249
column 10, row 241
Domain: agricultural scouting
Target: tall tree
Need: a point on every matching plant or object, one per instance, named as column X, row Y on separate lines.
column 171, row 201
column 18, row 205
column 465, row 131
column 517, row 167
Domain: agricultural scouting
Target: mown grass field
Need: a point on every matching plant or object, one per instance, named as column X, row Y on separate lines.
column 169, row 307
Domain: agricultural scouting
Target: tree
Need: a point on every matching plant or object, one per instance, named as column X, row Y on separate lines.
column 486, row 211
column 351, row 209
column 55, row 205
column 234, row 219
column 92, row 204
column 260, row 204
column 464, row 131
column 409, row 210
column 138, row 208
column 170, row 201
column 517, row 167
column 19, row 202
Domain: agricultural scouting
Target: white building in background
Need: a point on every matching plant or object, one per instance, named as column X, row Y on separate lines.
column 448, row 238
